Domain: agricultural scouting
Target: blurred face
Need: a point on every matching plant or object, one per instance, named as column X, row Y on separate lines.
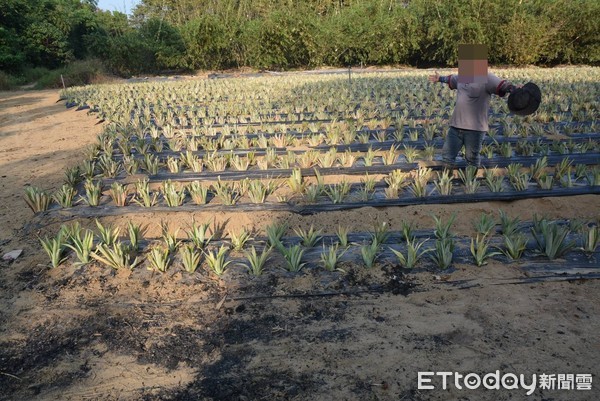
column 472, row 71
column 472, row 64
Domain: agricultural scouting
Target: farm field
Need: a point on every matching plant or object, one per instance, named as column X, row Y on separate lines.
column 180, row 186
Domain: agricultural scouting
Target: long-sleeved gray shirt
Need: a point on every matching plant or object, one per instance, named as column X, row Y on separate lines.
column 473, row 101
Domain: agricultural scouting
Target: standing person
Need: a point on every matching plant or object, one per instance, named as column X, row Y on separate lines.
column 474, row 86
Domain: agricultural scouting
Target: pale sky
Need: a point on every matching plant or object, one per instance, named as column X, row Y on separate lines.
column 124, row 6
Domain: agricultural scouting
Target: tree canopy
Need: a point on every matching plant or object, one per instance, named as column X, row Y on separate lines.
column 281, row 34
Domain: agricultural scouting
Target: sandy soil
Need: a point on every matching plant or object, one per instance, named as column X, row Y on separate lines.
column 95, row 334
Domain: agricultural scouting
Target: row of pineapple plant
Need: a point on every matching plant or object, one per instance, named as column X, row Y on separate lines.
column 121, row 142
column 205, row 244
column 394, row 124
column 394, row 127
column 126, row 144
column 100, row 159
column 388, row 127
column 502, row 125
column 419, row 183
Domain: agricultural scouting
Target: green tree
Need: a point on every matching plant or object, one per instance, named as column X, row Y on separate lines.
column 164, row 41
column 281, row 40
column 108, row 26
column 207, row 41
column 525, row 33
column 46, row 33
column 13, row 22
column 575, row 25
column 369, row 32
column 130, row 55
column 47, row 45
column 445, row 24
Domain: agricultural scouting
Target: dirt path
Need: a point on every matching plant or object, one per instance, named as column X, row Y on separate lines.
column 93, row 334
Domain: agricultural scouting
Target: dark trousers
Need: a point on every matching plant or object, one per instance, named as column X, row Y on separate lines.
column 458, row 137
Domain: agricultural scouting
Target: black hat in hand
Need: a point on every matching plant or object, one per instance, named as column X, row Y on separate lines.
column 525, row 100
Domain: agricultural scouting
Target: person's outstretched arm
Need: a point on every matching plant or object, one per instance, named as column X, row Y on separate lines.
column 499, row 87
column 451, row 80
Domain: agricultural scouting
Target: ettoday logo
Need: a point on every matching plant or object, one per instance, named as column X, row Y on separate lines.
column 473, row 381
column 507, row 381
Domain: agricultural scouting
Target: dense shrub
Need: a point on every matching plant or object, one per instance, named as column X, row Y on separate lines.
column 279, row 41
column 207, row 42
column 264, row 34
column 418, row 32
column 163, row 42
column 129, row 54
column 6, row 81
column 75, row 74
column 33, row 74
